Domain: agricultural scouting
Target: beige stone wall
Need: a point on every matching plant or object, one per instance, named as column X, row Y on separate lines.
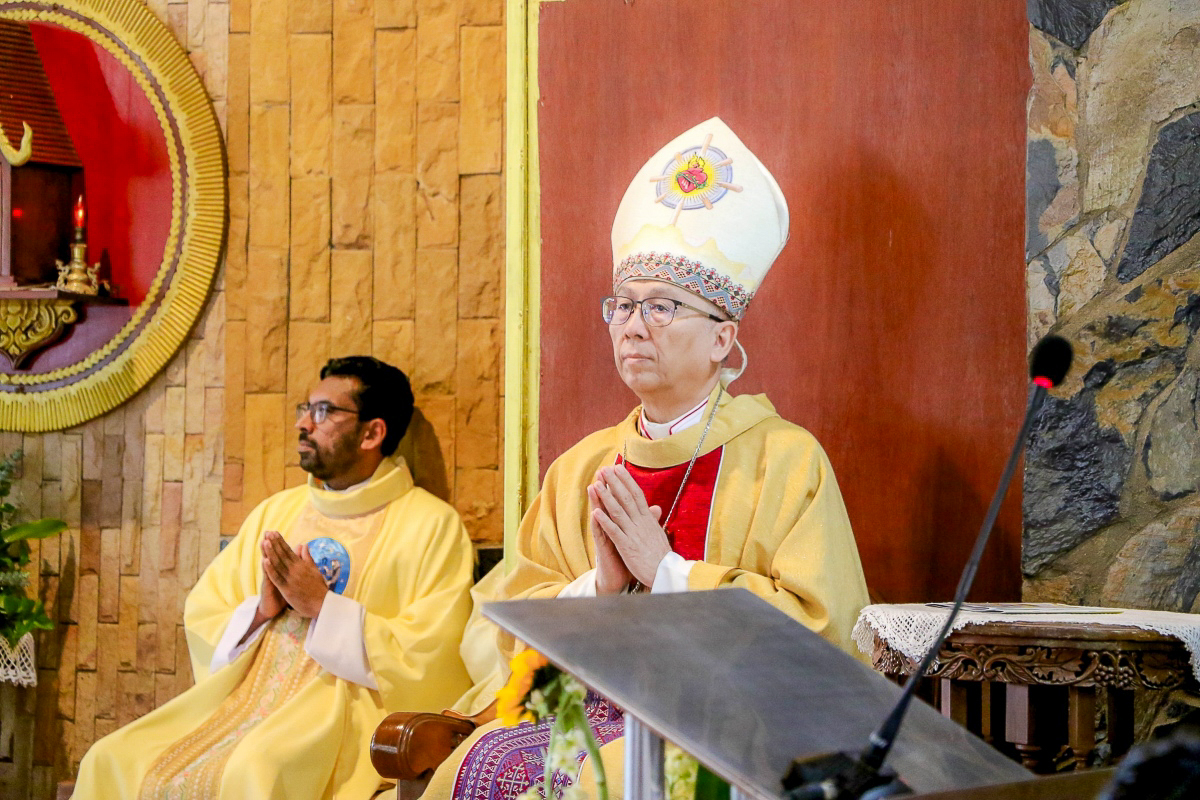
column 365, row 142
column 141, row 490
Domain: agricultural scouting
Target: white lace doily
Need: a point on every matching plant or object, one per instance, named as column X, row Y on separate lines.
column 911, row 628
column 17, row 664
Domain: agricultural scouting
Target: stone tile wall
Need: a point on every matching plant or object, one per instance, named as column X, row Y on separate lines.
column 366, row 216
column 141, row 490
column 1112, row 513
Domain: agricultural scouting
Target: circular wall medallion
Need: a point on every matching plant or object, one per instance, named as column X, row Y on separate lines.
column 157, row 167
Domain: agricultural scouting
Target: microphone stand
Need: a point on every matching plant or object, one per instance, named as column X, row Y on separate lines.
column 845, row 776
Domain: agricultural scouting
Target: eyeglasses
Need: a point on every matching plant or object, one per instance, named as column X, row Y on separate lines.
column 320, row 410
column 656, row 311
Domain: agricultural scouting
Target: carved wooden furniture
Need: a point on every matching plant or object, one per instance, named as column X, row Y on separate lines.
column 1035, row 687
column 31, row 319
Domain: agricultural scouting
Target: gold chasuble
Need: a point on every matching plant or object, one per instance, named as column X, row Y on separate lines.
column 774, row 523
column 274, row 723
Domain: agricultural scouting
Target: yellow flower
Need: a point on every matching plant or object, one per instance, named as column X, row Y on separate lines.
column 512, row 697
column 509, row 707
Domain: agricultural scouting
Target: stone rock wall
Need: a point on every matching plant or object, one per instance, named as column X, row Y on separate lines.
column 1112, row 511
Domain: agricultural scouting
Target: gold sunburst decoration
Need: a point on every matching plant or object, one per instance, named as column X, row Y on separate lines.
column 158, row 327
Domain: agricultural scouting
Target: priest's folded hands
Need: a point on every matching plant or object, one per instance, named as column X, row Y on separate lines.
column 630, row 542
column 293, row 575
column 291, row 579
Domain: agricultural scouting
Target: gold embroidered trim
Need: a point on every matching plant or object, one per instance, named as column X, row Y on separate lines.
column 194, row 766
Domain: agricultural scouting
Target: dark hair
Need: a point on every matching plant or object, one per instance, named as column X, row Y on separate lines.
column 383, row 393
column 1167, row 769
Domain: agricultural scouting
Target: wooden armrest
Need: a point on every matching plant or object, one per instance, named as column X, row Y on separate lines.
column 482, row 718
column 409, row 746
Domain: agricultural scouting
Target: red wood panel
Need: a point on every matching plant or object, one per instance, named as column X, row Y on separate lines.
column 893, row 324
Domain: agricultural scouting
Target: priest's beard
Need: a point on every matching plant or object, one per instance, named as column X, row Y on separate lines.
column 326, row 462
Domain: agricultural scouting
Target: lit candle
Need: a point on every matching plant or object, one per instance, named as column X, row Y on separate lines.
column 79, row 213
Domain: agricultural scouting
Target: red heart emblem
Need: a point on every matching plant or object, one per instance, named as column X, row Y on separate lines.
column 689, row 180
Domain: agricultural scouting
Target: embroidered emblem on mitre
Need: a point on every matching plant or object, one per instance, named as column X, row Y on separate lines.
column 704, row 214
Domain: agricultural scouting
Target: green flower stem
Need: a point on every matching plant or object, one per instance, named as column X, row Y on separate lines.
column 593, row 749
column 558, row 729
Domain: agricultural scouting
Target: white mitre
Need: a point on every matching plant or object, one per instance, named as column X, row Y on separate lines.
column 704, row 214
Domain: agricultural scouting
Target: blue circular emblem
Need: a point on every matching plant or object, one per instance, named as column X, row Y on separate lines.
column 332, row 560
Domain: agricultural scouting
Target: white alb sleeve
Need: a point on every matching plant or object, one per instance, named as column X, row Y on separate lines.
column 228, row 648
column 672, row 574
column 335, row 640
column 583, row 586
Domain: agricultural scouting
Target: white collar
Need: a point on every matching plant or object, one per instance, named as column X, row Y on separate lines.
column 358, row 485
column 658, row 430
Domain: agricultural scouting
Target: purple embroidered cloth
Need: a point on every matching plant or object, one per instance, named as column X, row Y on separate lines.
column 507, row 761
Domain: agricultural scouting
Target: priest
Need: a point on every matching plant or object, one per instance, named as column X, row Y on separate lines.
column 335, row 601
column 698, row 488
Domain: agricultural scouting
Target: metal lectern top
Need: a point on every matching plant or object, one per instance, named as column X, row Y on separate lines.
column 743, row 687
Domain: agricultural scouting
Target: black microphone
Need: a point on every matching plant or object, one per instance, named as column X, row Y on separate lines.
column 842, row 776
column 1050, row 361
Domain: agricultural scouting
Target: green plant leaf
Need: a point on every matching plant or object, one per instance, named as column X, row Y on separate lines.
column 22, row 627
column 709, row 786
column 18, row 552
column 36, row 529
column 29, row 615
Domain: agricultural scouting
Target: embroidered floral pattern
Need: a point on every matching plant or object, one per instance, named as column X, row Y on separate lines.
column 691, row 275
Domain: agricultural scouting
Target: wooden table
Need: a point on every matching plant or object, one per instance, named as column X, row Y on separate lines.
column 1035, row 686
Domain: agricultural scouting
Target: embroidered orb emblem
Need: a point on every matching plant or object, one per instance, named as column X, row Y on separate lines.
column 695, row 178
column 333, row 561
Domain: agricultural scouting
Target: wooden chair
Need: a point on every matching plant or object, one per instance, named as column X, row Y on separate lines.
column 408, row 746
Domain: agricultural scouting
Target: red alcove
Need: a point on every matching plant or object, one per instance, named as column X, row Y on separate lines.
column 127, row 176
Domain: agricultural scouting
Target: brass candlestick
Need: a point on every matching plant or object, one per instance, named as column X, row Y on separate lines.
column 76, row 276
